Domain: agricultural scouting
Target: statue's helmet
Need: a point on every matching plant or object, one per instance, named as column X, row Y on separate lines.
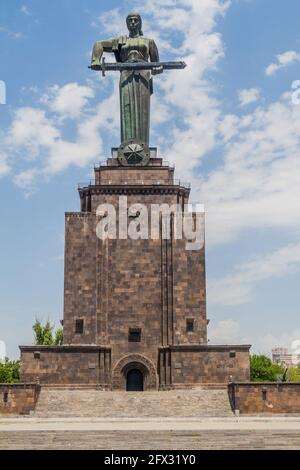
column 138, row 16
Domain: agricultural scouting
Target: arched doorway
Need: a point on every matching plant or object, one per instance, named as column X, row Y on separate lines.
column 138, row 363
column 135, row 381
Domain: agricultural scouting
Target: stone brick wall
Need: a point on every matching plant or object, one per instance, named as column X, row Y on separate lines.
column 18, row 399
column 66, row 365
column 261, row 398
column 183, row 365
column 172, row 367
column 81, row 277
column 146, row 175
column 138, row 195
column 189, row 292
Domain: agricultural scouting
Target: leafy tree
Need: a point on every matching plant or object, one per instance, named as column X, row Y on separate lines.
column 294, row 374
column 45, row 335
column 263, row 370
column 59, row 337
column 9, row 371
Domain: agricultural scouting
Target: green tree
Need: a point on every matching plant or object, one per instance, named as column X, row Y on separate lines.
column 59, row 337
column 44, row 335
column 263, row 370
column 9, row 371
column 294, row 374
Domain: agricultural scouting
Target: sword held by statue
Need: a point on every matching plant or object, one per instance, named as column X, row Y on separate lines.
column 133, row 66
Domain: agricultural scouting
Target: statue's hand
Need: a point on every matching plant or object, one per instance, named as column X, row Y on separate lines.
column 157, row 70
column 95, row 64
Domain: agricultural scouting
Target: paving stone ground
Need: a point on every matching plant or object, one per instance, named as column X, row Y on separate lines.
column 151, row 434
column 151, row 440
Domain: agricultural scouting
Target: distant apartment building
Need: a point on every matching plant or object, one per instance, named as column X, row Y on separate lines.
column 282, row 356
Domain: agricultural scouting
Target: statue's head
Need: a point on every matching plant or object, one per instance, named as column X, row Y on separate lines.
column 134, row 23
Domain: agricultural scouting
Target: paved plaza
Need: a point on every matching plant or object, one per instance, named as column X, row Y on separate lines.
column 150, row 433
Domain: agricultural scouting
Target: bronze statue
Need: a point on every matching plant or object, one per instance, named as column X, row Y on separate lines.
column 132, row 56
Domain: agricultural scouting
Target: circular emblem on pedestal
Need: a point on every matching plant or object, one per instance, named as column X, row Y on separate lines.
column 134, row 153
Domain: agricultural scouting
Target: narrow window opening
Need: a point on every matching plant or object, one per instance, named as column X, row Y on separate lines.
column 135, row 335
column 190, row 326
column 79, row 327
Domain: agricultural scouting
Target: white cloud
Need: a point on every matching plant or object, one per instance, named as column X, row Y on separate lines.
column 226, row 332
column 10, row 33
column 268, row 341
column 36, row 134
column 25, row 10
column 68, row 101
column 229, row 331
column 25, row 179
column 258, row 183
column 110, row 22
column 31, row 131
column 237, row 288
column 36, row 137
column 4, row 167
column 248, row 96
column 283, row 60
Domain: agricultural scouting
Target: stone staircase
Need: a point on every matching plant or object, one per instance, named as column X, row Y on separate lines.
column 91, row 403
column 151, row 440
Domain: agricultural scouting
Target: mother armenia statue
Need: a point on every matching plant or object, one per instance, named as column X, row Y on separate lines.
column 137, row 58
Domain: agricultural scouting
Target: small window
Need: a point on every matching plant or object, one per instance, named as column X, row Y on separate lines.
column 190, row 325
column 135, row 335
column 79, row 327
column 37, row 355
column 5, row 397
column 232, row 354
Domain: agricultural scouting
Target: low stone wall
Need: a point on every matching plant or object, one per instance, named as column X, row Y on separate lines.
column 65, row 365
column 18, row 399
column 261, row 398
column 207, row 364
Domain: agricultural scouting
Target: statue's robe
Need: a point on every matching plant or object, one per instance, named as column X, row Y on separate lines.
column 136, row 87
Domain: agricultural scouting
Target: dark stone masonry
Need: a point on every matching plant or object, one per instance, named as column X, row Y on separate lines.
column 134, row 310
column 18, row 399
column 265, row 398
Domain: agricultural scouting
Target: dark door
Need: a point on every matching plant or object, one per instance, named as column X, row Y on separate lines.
column 135, row 381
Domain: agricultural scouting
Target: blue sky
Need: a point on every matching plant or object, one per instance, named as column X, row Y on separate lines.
column 228, row 122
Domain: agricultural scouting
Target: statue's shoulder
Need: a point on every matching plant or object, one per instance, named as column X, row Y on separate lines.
column 148, row 40
column 151, row 43
column 121, row 40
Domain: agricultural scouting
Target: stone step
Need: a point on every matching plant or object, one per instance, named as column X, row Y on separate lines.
column 207, row 386
column 55, row 402
column 154, row 440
